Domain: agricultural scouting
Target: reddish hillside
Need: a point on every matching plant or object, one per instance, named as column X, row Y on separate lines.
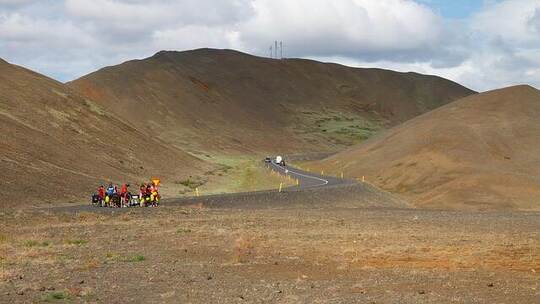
column 481, row 152
column 226, row 101
column 57, row 145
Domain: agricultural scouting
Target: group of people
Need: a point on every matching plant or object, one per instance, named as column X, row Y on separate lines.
column 110, row 196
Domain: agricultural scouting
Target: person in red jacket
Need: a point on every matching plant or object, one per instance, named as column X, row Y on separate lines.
column 124, row 189
column 123, row 194
column 101, row 192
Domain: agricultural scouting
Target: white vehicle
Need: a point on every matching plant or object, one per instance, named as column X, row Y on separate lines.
column 280, row 161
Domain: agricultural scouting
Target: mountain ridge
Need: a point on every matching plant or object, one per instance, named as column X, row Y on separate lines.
column 288, row 97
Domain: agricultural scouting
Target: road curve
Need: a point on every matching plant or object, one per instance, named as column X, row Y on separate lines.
column 306, row 179
column 308, row 182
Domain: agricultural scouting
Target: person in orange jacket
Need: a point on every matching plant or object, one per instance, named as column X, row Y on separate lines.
column 154, row 195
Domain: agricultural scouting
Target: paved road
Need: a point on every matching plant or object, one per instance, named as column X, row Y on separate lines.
column 306, row 179
column 309, row 183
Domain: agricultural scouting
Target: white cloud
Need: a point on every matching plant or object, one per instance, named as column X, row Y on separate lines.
column 191, row 37
column 14, row 2
column 498, row 46
column 347, row 27
column 17, row 28
column 159, row 14
column 514, row 21
column 507, row 49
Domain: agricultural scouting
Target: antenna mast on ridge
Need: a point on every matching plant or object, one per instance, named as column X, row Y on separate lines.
column 274, row 48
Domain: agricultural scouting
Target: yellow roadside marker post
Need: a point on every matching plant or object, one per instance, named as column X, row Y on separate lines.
column 322, row 172
column 197, row 191
column 298, row 182
column 280, row 186
column 363, row 178
column 341, row 175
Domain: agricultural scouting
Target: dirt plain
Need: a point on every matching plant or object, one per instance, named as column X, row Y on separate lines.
column 350, row 243
column 293, row 250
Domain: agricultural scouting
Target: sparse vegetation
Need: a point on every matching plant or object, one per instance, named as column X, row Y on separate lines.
column 116, row 257
column 338, row 127
column 56, row 296
column 286, row 245
column 191, row 182
column 137, row 258
column 224, row 168
column 36, row 243
column 183, row 230
column 220, row 170
column 93, row 107
column 233, row 174
column 31, row 243
column 77, row 242
column 111, row 256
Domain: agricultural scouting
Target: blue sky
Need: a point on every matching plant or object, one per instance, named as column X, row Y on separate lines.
column 456, row 9
column 482, row 44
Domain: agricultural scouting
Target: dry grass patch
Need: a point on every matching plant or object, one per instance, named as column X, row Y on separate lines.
column 244, row 249
column 5, row 274
column 183, row 230
column 90, row 264
column 112, row 257
column 88, row 217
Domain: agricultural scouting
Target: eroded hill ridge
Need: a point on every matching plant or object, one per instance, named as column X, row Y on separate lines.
column 58, row 145
column 177, row 114
column 480, row 152
column 222, row 100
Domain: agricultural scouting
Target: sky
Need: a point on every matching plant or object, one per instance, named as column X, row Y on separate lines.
column 483, row 44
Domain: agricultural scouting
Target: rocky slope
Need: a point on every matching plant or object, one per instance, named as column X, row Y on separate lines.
column 227, row 102
column 57, row 144
column 480, row 152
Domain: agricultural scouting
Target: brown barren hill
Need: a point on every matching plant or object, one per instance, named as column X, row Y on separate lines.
column 224, row 100
column 57, row 146
column 481, row 152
